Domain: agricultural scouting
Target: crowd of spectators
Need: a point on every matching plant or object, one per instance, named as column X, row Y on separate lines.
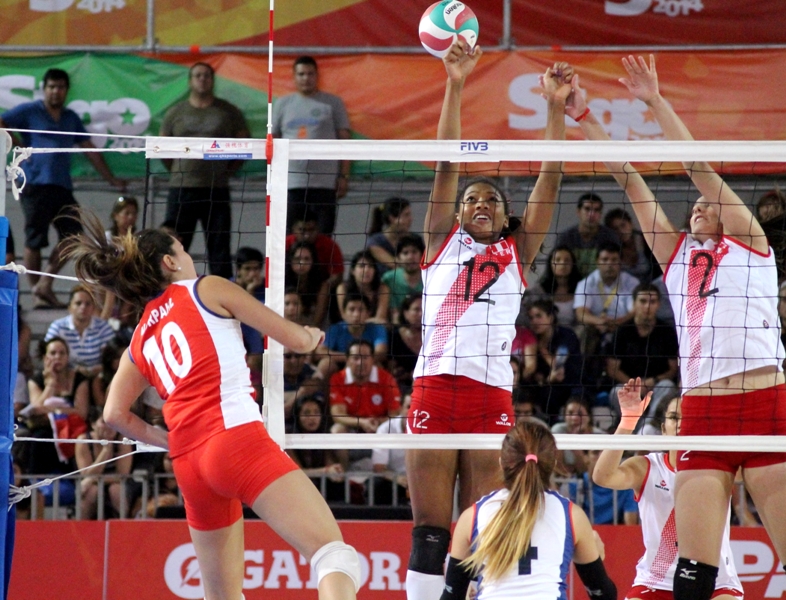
column 597, row 317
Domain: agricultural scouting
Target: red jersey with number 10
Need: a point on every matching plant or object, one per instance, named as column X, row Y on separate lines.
column 196, row 361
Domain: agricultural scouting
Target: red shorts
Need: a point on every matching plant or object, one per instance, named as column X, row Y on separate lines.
column 646, row 593
column 457, row 404
column 760, row 412
column 228, row 470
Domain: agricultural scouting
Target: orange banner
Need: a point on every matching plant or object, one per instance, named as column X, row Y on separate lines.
column 155, row 559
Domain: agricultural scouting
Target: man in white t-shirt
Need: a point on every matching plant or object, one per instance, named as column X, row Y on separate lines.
column 315, row 115
column 604, row 299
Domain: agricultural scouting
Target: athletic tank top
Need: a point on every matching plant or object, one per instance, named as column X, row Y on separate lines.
column 656, row 509
column 543, row 573
column 725, row 300
column 471, row 298
column 196, row 361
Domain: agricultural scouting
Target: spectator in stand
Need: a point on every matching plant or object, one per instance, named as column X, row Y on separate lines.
column 559, row 284
column 57, row 388
column 577, row 419
column 390, row 221
column 250, row 275
column 771, row 205
column 646, row 349
column 363, row 395
column 406, row 340
column 310, row 280
column 525, row 350
column 340, row 336
column 636, row 256
column 604, row 299
column 300, row 380
column 329, row 254
column 771, row 213
column 110, row 360
column 123, row 216
column 91, row 458
column 199, row 189
column 315, row 115
column 85, row 334
column 293, row 306
column 310, row 416
column 365, row 277
column 406, row 279
column 586, row 238
column 24, row 363
column 603, row 506
column 390, row 463
column 557, row 376
column 48, row 189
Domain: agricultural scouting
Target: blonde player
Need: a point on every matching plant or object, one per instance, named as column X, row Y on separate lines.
column 188, row 345
column 722, row 283
column 520, row 540
column 473, row 276
column 651, row 477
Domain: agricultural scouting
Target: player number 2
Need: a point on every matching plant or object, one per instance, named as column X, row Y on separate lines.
column 151, row 350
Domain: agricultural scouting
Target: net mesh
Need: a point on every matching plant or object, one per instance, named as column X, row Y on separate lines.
column 405, row 169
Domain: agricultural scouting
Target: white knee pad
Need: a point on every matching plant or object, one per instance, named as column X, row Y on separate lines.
column 337, row 557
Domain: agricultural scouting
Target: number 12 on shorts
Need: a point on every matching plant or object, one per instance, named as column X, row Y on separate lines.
column 152, row 351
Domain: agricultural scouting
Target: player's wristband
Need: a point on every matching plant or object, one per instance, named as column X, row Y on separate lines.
column 583, row 115
column 629, row 421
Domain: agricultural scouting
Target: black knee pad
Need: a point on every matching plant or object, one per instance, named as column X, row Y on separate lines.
column 429, row 549
column 694, row 580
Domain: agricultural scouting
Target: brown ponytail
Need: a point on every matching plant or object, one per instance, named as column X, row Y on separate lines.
column 528, row 457
column 128, row 266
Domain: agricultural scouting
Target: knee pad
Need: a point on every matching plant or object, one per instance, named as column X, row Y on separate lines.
column 694, row 580
column 429, row 549
column 337, row 557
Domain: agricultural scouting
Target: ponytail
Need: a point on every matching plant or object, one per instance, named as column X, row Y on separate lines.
column 529, row 454
column 128, row 266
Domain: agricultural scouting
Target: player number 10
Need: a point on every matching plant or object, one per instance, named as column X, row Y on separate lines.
column 152, row 352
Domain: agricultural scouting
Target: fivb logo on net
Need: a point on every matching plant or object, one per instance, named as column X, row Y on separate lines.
column 122, row 116
column 470, row 147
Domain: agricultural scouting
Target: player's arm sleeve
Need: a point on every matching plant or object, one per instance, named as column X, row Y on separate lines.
column 596, row 581
column 457, row 580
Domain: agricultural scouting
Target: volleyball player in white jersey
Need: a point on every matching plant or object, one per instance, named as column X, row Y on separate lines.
column 188, row 346
column 473, row 283
column 652, row 477
column 722, row 283
column 520, row 540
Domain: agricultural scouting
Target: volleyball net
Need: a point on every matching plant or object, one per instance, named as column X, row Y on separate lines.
column 405, row 169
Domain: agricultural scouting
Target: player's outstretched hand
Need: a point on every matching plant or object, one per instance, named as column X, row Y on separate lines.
column 631, row 402
column 555, row 82
column 642, row 79
column 576, row 104
column 460, row 60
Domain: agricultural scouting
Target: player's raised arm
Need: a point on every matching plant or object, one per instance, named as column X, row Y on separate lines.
column 441, row 213
column 660, row 234
column 737, row 219
column 540, row 207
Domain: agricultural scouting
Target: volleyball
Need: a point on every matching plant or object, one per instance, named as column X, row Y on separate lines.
column 443, row 23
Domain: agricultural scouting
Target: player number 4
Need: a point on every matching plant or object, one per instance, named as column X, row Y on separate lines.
column 151, row 350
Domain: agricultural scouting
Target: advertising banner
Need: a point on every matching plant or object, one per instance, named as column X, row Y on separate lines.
column 380, row 23
column 155, row 559
column 720, row 96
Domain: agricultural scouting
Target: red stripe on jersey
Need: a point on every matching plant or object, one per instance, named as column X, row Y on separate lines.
column 667, row 552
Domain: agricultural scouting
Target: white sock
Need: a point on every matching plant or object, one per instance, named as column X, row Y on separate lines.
column 424, row 587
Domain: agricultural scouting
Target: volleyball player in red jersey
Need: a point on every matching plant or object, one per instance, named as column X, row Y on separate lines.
column 473, row 276
column 722, row 283
column 188, row 345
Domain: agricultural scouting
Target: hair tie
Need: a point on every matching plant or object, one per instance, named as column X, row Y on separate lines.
column 529, row 457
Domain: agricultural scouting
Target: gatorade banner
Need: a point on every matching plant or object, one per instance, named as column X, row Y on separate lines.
column 128, row 560
column 719, row 95
column 383, row 23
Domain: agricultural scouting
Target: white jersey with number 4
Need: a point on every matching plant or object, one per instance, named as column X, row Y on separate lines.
column 656, row 509
column 725, row 301
column 541, row 574
column 471, row 298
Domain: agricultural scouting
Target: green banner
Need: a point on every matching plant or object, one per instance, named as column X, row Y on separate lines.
column 121, row 95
